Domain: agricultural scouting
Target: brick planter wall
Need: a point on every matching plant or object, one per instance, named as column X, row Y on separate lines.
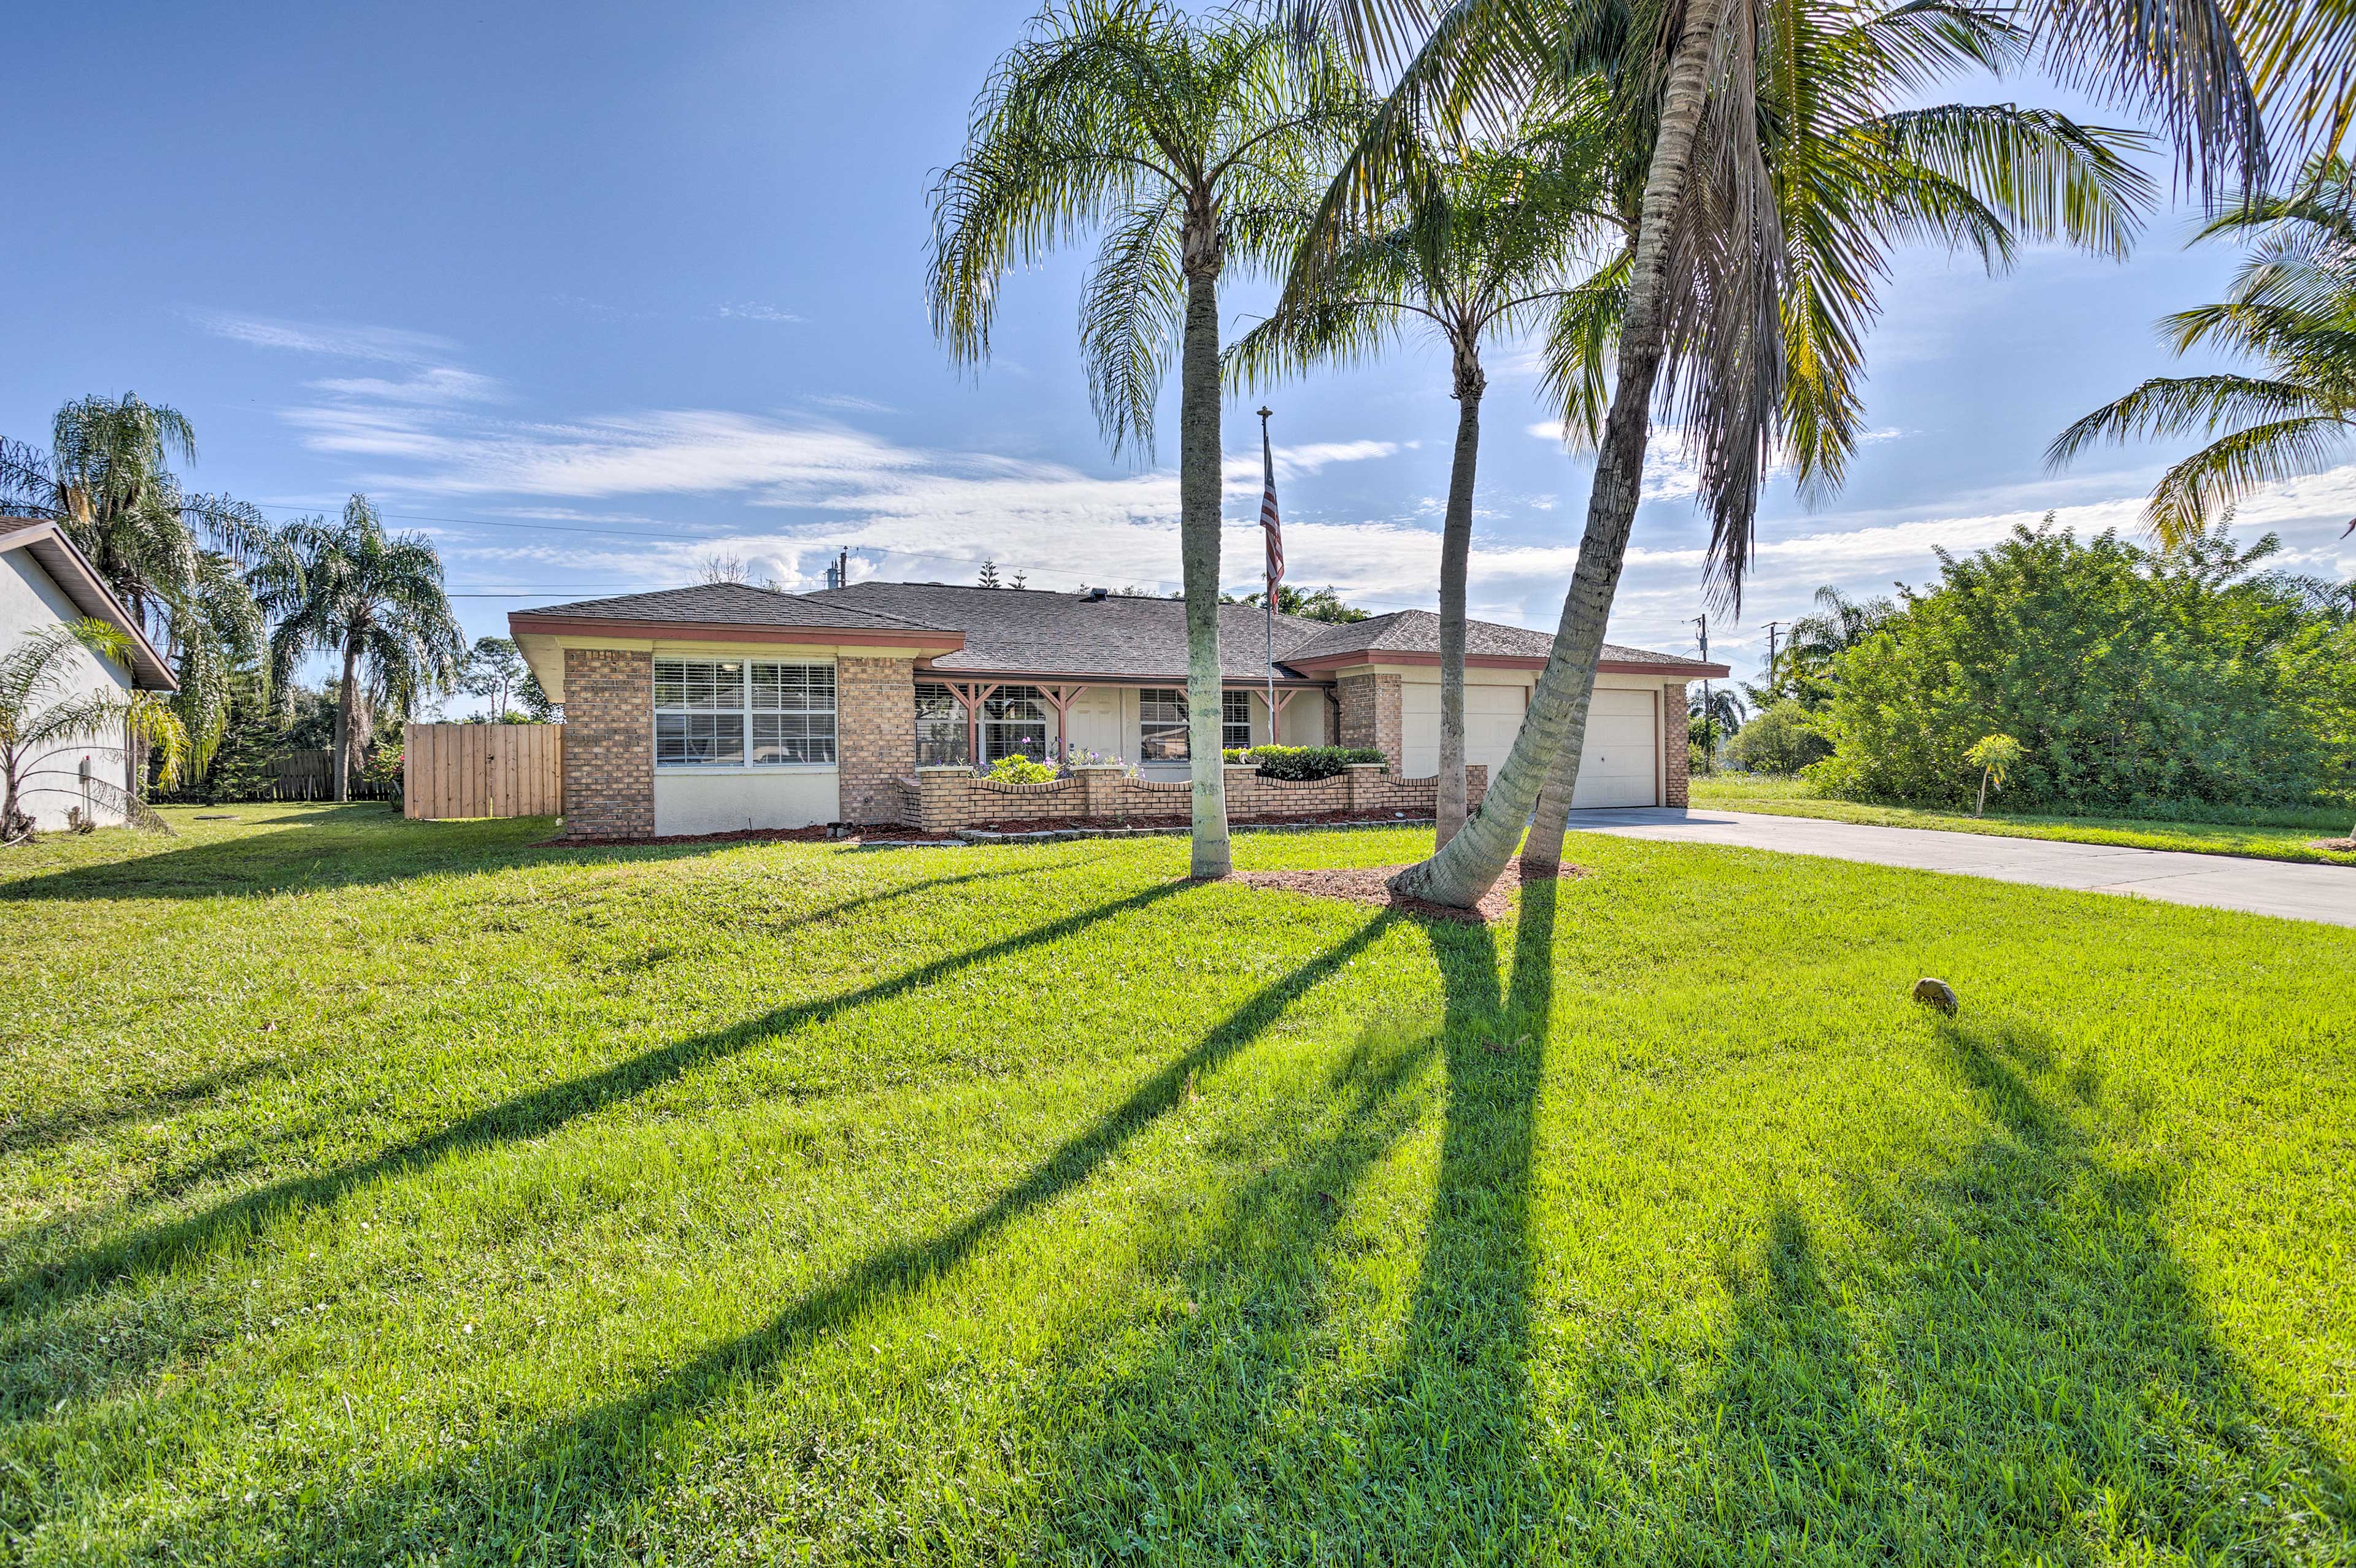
column 875, row 735
column 946, row 799
column 1675, row 764
column 609, row 744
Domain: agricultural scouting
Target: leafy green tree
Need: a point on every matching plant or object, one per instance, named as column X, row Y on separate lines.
column 375, row 603
column 1770, row 161
column 2130, row 679
column 40, row 711
column 1324, row 604
column 494, row 668
column 1781, row 739
column 1186, row 143
column 1475, row 245
column 176, row 559
column 2291, row 307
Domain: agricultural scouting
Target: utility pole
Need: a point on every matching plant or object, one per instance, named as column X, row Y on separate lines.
column 1772, row 626
column 1709, row 752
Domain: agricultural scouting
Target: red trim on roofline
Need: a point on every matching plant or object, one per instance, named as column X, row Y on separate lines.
column 523, row 621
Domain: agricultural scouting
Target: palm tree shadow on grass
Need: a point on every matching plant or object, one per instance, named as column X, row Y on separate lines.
column 63, row 1127
column 310, row 855
column 1202, row 1450
column 548, row 1490
column 2025, row 1372
column 38, row 1293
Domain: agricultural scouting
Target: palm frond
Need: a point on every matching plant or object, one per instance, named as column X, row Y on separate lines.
column 2196, row 491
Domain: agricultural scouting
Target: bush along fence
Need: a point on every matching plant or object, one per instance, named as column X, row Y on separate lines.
column 953, row 798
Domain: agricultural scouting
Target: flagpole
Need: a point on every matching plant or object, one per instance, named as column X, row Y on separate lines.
column 1268, row 464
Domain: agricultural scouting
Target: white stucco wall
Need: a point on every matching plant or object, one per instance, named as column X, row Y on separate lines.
column 730, row 800
column 50, row 784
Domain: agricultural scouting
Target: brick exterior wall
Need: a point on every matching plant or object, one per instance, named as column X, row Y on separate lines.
column 874, row 735
column 609, row 744
column 947, row 799
column 1675, row 764
column 1370, row 713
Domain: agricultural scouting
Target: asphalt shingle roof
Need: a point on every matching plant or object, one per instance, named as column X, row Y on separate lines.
column 726, row 604
column 1418, row 632
column 1023, row 631
column 1028, row 631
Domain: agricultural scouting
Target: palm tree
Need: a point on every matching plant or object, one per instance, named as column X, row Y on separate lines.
column 1816, row 641
column 40, row 711
column 1187, row 142
column 176, row 559
column 1712, row 716
column 2292, row 307
column 1726, row 104
column 374, row 601
column 1475, row 246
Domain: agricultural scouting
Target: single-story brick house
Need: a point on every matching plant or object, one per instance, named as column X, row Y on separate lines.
column 47, row 582
column 723, row 707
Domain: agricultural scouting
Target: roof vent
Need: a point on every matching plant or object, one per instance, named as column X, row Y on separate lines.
column 1094, row 594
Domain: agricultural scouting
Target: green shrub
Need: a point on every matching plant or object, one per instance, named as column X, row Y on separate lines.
column 2131, row 679
column 1019, row 769
column 1781, row 739
column 1303, row 762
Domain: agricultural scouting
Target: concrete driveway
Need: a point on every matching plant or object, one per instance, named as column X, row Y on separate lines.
column 2219, row 881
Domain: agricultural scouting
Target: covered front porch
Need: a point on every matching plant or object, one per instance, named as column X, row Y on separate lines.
column 975, row 720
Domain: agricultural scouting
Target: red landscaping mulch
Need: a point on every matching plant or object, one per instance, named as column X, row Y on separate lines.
column 1367, row 885
column 742, row 835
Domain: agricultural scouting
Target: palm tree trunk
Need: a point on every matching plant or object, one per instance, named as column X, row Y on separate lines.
column 343, row 761
column 1455, row 554
column 1556, row 722
column 1199, row 485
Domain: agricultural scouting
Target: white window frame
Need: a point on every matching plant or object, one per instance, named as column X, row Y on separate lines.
column 1151, row 729
column 757, row 702
column 1000, row 723
column 1231, row 703
column 941, row 736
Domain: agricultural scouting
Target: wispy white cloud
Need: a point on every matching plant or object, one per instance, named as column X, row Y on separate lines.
column 384, row 344
column 754, row 310
column 843, row 402
column 430, row 384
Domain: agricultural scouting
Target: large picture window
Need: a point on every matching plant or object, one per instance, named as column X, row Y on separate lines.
column 707, row 710
column 1014, row 719
column 1161, row 725
column 1235, row 718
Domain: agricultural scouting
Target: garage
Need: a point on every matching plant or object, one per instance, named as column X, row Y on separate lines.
column 1621, row 765
column 1493, row 717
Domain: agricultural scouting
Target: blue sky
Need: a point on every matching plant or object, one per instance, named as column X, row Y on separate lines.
column 590, row 293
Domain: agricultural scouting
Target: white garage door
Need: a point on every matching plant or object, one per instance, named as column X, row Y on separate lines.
column 1493, row 717
column 1620, row 766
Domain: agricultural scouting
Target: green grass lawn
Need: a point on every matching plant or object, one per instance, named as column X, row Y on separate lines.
column 2270, row 835
column 387, row 1191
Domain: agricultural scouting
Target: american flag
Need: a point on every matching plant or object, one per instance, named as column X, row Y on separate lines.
column 1268, row 521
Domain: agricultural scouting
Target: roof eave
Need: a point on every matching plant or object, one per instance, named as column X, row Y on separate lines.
column 72, row 572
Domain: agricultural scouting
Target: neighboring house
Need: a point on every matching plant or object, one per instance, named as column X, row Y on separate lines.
column 723, row 707
column 46, row 581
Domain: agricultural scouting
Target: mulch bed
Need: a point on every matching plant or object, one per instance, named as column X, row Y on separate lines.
column 1367, row 885
column 2337, row 846
column 819, row 834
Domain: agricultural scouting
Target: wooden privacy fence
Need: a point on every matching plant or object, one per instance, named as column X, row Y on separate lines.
column 310, row 775
column 482, row 770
